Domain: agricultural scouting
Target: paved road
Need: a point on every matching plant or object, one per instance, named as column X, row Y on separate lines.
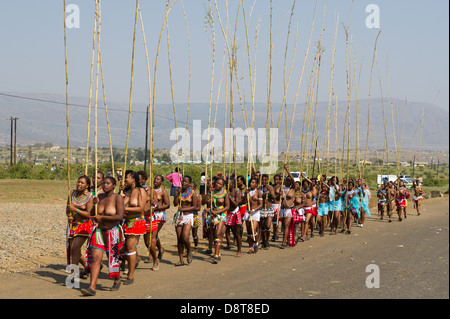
column 412, row 257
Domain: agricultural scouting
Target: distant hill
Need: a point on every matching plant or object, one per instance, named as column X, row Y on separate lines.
column 41, row 121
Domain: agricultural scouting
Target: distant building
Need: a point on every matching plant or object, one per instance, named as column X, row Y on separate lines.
column 421, row 164
column 405, row 164
column 390, row 164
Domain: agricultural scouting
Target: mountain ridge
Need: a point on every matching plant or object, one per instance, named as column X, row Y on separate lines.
column 42, row 118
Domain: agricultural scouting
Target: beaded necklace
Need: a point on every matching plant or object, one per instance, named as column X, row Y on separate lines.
column 252, row 192
column 264, row 193
column 306, row 192
column 158, row 190
column 188, row 196
column 81, row 200
column 222, row 193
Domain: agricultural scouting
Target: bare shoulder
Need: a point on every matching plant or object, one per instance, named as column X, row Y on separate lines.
column 118, row 198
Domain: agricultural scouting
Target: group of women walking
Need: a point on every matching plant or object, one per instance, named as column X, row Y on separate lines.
column 113, row 223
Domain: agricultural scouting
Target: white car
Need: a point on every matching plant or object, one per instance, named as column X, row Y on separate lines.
column 296, row 176
column 407, row 180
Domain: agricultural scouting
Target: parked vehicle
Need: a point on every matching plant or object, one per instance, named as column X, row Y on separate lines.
column 407, row 179
column 388, row 178
column 297, row 177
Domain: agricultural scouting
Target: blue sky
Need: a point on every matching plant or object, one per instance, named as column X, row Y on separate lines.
column 413, row 45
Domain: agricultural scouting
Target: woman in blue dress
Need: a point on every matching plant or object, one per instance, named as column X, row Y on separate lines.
column 352, row 206
column 336, row 202
column 365, row 203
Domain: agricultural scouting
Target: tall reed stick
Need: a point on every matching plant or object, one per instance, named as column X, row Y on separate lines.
column 336, row 142
column 370, row 99
column 152, row 99
column 171, row 87
column 356, row 85
column 217, row 112
column 151, row 114
column 330, row 97
column 310, row 103
column 252, row 90
column 90, row 92
column 307, row 110
column 131, row 94
column 98, row 17
column 284, row 68
column 320, row 51
column 107, row 117
column 300, row 81
column 225, row 119
column 67, row 101
column 153, row 104
column 232, row 64
column 252, row 84
column 384, row 120
column 189, row 82
column 210, row 24
column 349, row 95
column 269, row 81
column 150, row 120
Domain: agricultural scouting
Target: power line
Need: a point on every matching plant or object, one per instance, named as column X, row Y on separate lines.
column 81, row 105
column 86, row 106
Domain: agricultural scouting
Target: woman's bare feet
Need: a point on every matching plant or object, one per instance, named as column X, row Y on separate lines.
column 155, row 265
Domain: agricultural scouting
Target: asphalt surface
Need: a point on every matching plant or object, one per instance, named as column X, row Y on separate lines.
column 409, row 260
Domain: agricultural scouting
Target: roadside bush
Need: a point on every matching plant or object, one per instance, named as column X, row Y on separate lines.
column 433, row 182
column 19, row 171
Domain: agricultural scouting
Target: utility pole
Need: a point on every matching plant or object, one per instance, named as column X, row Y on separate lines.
column 437, row 169
column 15, row 139
column 11, row 144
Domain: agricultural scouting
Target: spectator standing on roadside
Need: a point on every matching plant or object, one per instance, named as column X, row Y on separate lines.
column 202, row 183
column 175, row 178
